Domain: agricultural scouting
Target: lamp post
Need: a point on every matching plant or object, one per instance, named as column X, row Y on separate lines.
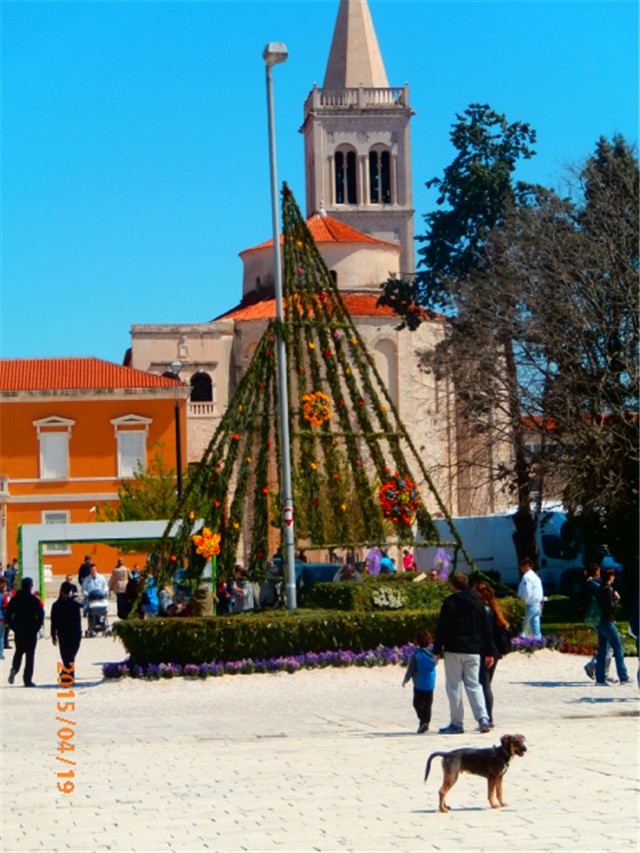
column 273, row 54
column 175, row 369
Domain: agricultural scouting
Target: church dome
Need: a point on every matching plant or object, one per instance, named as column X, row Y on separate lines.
column 358, row 261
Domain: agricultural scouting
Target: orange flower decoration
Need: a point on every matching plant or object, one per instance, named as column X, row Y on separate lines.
column 207, row 544
column 315, row 408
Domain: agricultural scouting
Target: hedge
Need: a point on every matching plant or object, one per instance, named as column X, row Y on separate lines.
column 275, row 633
column 267, row 634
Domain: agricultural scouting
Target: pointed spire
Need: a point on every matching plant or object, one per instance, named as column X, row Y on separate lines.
column 355, row 58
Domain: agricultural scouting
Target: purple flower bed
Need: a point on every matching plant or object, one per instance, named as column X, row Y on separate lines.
column 382, row 656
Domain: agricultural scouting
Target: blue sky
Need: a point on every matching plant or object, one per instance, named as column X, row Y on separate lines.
column 135, row 153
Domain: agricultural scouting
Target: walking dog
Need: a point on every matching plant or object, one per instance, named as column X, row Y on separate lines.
column 491, row 763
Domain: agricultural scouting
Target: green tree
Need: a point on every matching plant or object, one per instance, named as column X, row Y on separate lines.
column 582, row 275
column 151, row 494
column 476, row 195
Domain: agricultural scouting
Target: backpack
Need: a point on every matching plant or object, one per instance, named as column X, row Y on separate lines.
column 593, row 614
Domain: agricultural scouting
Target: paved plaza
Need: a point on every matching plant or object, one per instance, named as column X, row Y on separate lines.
column 324, row 760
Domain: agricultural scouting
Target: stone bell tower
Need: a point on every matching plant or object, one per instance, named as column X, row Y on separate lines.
column 357, row 138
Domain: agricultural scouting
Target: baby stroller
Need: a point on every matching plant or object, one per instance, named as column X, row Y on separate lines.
column 97, row 618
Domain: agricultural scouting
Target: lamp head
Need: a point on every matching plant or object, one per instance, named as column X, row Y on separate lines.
column 175, row 367
column 275, row 52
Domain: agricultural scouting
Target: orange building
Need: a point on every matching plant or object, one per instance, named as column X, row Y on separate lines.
column 71, row 429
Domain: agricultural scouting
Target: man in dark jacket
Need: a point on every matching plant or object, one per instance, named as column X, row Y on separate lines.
column 84, row 570
column 25, row 616
column 592, row 593
column 66, row 624
column 608, row 633
column 463, row 634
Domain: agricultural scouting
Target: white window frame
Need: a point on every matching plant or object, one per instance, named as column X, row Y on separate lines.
column 58, row 516
column 125, row 427
column 61, row 429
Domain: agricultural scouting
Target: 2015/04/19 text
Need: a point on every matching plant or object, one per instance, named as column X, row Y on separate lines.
column 66, row 732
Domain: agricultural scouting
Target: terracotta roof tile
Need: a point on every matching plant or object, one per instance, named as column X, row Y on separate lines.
column 47, row 374
column 326, row 229
column 357, row 304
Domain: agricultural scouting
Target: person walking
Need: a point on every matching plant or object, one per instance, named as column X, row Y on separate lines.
column 592, row 617
column 499, row 628
column 4, row 603
column 531, row 592
column 463, row 636
column 11, row 573
column 422, row 670
column 119, row 579
column 608, row 633
column 66, row 624
column 84, row 570
column 25, row 616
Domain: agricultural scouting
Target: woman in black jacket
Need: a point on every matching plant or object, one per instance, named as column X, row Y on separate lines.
column 500, row 637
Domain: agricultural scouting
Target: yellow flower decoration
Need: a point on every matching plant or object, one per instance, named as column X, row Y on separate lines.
column 207, row 544
column 249, row 460
column 312, row 345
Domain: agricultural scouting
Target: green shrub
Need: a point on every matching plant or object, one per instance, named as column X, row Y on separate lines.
column 264, row 635
column 383, row 592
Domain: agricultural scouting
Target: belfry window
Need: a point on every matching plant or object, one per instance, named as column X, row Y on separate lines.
column 379, row 177
column 345, row 163
column 201, row 387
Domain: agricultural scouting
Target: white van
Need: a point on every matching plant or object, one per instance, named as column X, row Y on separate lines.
column 488, row 540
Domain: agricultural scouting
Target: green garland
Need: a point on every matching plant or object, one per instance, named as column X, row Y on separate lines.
column 337, row 467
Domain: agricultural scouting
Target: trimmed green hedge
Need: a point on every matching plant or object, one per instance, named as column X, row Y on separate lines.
column 383, row 592
column 277, row 633
column 264, row 635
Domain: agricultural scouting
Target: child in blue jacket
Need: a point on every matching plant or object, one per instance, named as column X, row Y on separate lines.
column 422, row 669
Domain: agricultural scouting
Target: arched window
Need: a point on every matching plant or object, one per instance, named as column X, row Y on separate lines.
column 345, row 163
column 379, row 177
column 201, row 388
column 385, row 355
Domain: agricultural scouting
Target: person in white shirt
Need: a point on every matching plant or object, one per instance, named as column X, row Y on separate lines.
column 94, row 585
column 531, row 592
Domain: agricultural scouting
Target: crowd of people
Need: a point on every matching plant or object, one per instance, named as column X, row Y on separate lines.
column 472, row 633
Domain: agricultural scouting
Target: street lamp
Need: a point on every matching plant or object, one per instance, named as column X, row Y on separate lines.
column 175, row 369
column 274, row 53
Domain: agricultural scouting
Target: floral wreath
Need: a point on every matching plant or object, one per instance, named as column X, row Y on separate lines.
column 399, row 498
column 315, row 408
column 207, row 544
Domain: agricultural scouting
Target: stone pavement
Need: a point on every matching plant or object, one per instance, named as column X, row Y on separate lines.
column 324, row 760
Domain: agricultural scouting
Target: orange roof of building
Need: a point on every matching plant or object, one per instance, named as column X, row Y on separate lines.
column 49, row 374
column 357, row 304
column 326, row 229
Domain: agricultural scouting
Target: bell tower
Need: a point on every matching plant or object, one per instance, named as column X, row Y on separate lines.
column 357, row 138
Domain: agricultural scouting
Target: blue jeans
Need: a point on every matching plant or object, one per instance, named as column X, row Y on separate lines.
column 608, row 633
column 531, row 626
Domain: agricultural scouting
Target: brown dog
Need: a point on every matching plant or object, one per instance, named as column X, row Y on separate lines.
column 491, row 763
